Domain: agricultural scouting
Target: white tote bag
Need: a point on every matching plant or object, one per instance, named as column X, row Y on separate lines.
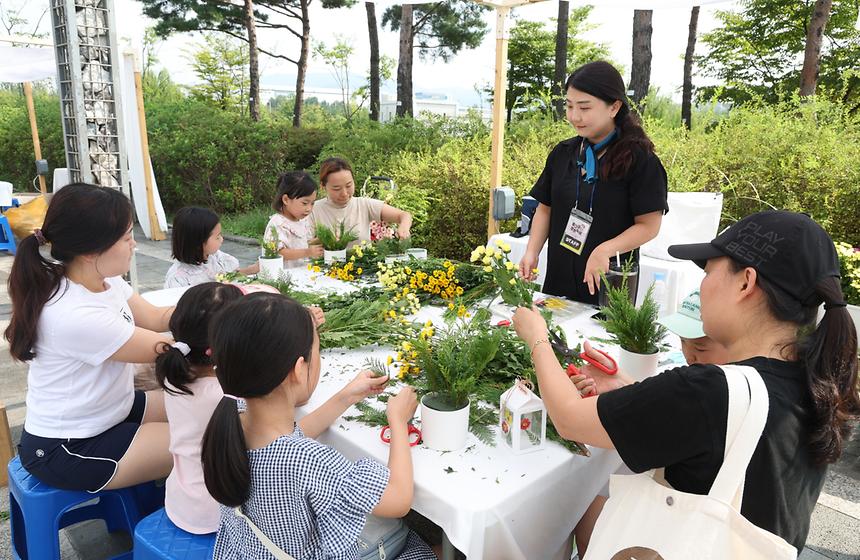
column 645, row 519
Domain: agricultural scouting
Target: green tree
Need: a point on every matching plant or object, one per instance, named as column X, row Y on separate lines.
column 221, row 65
column 292, row 16
column 758, row 51
column 531, row 59
column 438, row 31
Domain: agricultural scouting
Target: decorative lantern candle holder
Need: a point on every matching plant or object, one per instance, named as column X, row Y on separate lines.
column 522, row 419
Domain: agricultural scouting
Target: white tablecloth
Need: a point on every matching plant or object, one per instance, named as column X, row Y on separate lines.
column 682, row 277
column 492, row 503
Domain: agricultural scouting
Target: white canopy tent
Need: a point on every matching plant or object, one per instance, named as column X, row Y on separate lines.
column 28, row 65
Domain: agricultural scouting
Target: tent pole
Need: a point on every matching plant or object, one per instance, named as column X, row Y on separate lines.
column 34, row 130
column 500, row 87
column 155, row 232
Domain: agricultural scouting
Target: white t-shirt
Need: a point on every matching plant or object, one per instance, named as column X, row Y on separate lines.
column 182, row 274
column 73, row 389
column 187, row 501
column 357, row 215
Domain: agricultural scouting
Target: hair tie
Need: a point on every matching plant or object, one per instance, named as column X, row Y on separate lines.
column 40, row 237
column 208, row 352
column 232, row 397
column 182, row 347
column 834, row 305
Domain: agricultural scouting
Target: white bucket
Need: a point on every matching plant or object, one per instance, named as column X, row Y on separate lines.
column 334, row 256
column 390, row 259
column 418, row 253
column 444, row 430
column 271, row 268
column 638, row 366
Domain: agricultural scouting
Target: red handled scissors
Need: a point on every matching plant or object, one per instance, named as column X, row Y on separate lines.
column 414, row 435
column 559, row 346
column 608, row 370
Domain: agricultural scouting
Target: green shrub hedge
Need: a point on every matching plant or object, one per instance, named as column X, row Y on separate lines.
column 17, row 161
column 802, row 156
column 215, row 158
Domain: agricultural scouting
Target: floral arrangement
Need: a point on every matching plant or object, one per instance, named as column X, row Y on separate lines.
column 452, row 364
column 505, row 274
column 335, row 240
column 435, row 279
column 381, row 230
column 341, row 271
column 269, row 248
column 849, row 264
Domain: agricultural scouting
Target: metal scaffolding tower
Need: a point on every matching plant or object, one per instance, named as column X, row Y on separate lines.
column 87, row 70
column 88, row 81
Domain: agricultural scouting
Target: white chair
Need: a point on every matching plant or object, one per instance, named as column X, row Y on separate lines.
column 693, row 217
column 61, row 178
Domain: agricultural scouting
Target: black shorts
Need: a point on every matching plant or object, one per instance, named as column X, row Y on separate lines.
column 82, row 464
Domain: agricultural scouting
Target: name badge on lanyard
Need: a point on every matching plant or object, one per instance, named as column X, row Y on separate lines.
column 579, row 223
column 576, row 231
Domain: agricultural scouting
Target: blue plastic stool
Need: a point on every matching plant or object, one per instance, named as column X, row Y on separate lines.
column 39, row 511
column 7, row 238
column 157, row 538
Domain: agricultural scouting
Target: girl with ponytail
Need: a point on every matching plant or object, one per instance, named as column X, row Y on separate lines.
column 184, row 369
column 283, row 491
column 766, row 277
column 601, row 193
column 81, row 327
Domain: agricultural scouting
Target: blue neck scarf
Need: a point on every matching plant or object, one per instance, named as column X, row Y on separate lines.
column 591, row 151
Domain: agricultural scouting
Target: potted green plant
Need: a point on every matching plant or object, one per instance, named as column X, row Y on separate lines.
column 393, row 249
column 635, row 330
column 271, row 262
column 450, row 366
column 334, row 242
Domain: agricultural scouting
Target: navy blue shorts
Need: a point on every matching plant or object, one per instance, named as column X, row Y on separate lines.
column 81, row 464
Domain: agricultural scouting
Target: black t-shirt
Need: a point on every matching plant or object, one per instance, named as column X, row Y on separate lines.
column 677, row 420
column 614, row 202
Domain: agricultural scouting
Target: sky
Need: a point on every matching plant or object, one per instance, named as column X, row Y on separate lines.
column 459, row 78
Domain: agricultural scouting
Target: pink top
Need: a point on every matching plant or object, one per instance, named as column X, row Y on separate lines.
column 291, row 235
column 187, row 502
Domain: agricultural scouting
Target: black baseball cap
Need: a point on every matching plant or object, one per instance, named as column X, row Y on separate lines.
column 789, row 249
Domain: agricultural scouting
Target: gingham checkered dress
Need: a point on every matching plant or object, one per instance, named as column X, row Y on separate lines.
column 310, row 501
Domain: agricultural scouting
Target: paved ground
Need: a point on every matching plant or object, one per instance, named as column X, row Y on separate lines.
column 835, row 532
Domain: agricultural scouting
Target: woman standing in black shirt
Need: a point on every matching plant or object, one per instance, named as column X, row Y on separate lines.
column 606, row 184
column 765, row 278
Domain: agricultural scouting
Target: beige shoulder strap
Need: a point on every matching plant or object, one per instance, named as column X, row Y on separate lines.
column 267, row 542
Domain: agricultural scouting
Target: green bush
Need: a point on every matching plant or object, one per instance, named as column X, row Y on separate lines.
column 206, row 156
column 16, row 142
column 797, row 155
column 800, row 156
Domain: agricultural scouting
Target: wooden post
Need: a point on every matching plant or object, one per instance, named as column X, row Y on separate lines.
column 155, row 232
column 501, row 86
column 7, row 451
column 34, row 130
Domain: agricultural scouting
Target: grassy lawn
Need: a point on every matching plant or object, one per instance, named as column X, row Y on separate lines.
column 247, row 224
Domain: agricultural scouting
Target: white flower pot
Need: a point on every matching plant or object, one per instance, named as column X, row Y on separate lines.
column 418, row 253
column 396, row 258
column 334, row 256
column 271, row 268
column 638, row 366
column 444, row 430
